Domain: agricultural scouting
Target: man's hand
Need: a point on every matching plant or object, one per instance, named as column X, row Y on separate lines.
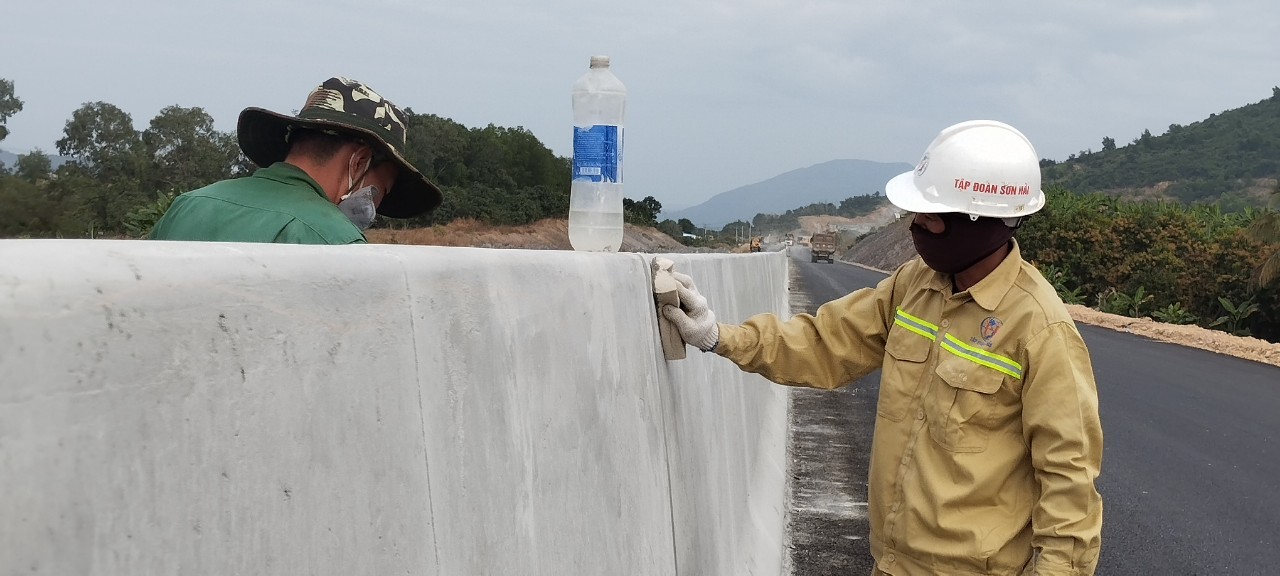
column 695, row 321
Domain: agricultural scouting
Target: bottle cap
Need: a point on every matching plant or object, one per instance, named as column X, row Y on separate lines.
column 599, row 61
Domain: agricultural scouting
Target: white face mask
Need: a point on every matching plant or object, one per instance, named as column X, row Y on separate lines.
column 358, row 204
column 359, row 207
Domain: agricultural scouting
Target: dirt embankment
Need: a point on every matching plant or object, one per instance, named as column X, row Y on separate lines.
column 884, row 249
column 551, row 234
column 889, row 247
column 850, row 227
column 1193, row 336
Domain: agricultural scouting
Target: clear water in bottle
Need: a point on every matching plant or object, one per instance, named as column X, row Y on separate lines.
column 595, row 225
column 595, row 203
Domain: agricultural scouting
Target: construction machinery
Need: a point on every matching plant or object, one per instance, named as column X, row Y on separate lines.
column 822, row 246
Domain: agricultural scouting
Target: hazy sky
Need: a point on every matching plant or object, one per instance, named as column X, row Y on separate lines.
column 720, row 93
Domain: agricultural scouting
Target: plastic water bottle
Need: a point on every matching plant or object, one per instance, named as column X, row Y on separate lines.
column 595, row 196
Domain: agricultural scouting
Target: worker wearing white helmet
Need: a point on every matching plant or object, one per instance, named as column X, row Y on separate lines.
column 975, row 183
column 987, row 438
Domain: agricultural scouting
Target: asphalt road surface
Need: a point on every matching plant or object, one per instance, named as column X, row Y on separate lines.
column 1191, row 465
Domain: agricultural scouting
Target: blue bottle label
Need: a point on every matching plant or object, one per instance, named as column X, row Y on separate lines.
column 597, row 153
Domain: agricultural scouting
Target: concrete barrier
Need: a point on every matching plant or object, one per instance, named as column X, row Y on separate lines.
column 184, row 408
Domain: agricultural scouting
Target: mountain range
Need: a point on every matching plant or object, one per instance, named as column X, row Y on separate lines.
column 830, row 181
column 9, row 160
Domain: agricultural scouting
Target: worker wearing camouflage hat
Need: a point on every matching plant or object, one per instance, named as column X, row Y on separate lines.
column 326, row 173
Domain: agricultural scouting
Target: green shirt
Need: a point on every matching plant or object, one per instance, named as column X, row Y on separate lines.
column 280, row 203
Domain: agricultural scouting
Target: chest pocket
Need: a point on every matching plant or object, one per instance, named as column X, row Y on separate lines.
column 906, row 353
column 965, row 403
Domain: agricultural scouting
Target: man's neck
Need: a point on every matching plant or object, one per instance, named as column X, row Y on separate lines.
column 966, row 278
column 331, row 175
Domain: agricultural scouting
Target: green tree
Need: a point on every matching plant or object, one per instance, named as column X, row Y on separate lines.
column 9, row 105
column 438, row 147
column 526, row 160
column 1160, row 253
column 671, row 228
column 1266, row 229
column 142, row 219
column 100, row 136
column 33, row 166
column 28, row 211
column 185, row 151
column 103, row 182
column 486, row 159
column 1108, row 143
column 493, row 174
column 855, row 206
column 644, row 213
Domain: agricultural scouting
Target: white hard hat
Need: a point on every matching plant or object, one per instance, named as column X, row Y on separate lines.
column 980, row 168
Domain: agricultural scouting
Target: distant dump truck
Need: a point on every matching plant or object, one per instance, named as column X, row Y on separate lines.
column 823, row 247
column 755, row 243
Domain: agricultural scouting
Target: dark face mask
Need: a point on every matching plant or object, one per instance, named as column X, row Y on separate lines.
column 962, row 244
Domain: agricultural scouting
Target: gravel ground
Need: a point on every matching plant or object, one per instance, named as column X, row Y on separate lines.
column 827, row 449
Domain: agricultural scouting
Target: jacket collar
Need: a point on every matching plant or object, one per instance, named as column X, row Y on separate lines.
column 989, row 291
column 287, row 173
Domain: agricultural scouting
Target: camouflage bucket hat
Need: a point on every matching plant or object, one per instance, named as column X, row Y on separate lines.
column 347, row 107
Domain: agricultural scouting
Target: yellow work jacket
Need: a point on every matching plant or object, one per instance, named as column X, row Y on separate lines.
column 987, row 439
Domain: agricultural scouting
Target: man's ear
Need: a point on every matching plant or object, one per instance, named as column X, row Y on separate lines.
column 363, row 159
column 365, row 153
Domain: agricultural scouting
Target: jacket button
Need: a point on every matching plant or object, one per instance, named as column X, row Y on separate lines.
column 945, row 323
column 919, row 414
column 890, row 558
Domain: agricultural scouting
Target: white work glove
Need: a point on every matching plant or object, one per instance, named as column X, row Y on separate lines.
column 693, row 319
